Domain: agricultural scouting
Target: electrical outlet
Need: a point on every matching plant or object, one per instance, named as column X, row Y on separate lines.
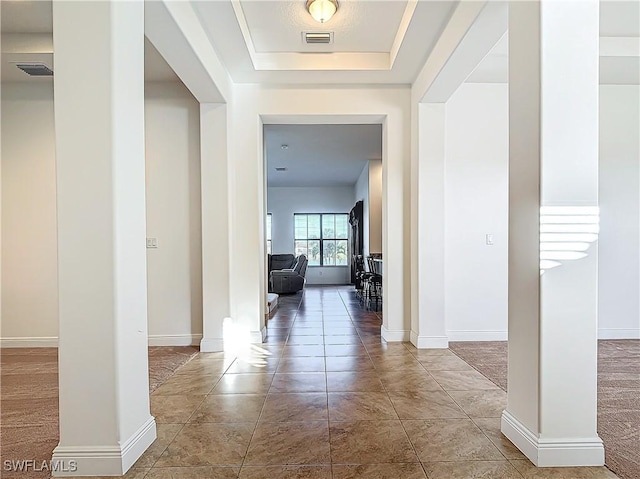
column 152, row 242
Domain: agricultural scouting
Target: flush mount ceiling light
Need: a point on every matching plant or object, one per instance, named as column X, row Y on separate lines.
column 322, row 10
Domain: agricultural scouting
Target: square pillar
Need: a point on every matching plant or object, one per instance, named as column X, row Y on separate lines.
column 553, row 223
column 215, row 224
column 105, row 421
column 428, row 324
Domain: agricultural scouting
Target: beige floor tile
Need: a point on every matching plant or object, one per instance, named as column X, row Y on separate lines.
column 450, row 440
column 286, row 472
column 301, row 365
column 337, row 350
column 425, row 405
column 299, row 383
column 462, row 380
column 370, row 442
column 397, row 363
column 491, row 428
column 223, row 444
column 205, row 367
column 471, row 470
column 529, row 471
column 165, row 434
column 408, row 381
column 289, row 443
column 444, row 363
column 349, row 363
column 295, row 407
column 254, row 383
column 254, row 365
column 201, row 472
column 229, row 408
column 481, row 403
column 175, row 409
column 353, row 381
column 379, row 471
column 133, row 473
column 429, row 353
column 360, row 406
column 182, row 384
column 303, row 350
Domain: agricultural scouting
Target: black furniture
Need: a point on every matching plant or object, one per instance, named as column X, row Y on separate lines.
column 280, row 261
column 290, row 280
column 356, row 220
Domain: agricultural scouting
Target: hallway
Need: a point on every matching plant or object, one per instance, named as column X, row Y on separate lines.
column 323, row 398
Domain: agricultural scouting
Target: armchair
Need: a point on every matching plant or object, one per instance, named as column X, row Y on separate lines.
column 289, row 280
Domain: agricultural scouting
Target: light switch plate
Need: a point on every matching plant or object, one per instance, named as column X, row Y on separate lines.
column 152, row 242
column 489, row 239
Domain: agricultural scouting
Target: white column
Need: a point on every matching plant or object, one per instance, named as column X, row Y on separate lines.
column 553, row 81
column 215, row 224
column 428, row 311
column 105, row 422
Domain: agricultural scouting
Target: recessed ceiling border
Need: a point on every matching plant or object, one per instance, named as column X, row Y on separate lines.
column 324, row 61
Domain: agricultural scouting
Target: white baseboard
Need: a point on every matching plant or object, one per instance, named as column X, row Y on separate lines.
column 429, row 342
column 174, row 339
column 477, row 335
column 258, row 336
column 105, row 460
column 563, row 452
column 395, row 335
column 614, row 333
column 211, row 345
column 30, row 342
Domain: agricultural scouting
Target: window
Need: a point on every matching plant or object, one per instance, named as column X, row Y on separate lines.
column 323, row 238
column 269, row 233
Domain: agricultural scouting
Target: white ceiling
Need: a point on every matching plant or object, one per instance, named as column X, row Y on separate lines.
column 260, row 41
column 320, row 155
column 617, row 19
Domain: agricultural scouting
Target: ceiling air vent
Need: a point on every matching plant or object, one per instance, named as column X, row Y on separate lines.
column 312, row 38
column 35, row 69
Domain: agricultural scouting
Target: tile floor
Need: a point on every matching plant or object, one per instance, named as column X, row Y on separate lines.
column 324, row 397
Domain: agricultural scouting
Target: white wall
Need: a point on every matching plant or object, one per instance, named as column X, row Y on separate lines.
column 476, row 204
column 283, row 202
column 29, row 236
column 619, row 273
column 476, row 174
column 361, row 191
column 29, row 266
column 375, row 206
column 368, row 188
column 174, row 269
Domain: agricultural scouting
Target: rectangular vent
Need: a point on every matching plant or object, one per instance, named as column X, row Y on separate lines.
column 35, row 69
column 280, row 168
column 312, row 38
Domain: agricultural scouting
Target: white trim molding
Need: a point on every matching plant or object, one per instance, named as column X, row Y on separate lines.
column 174, row 339
column 477, row 335
column 556, row 452
column 615, row 333
column 211, row 345
column 105, row 460
column 30, row 342
column 429, row 342
column 258, row 336
column 396, row 335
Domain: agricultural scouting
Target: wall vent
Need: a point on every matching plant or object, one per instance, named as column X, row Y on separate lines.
column 280, row 168
column 313, row 38
column 35, row 69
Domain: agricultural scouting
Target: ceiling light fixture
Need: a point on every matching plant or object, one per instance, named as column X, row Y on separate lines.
column 322, row 10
